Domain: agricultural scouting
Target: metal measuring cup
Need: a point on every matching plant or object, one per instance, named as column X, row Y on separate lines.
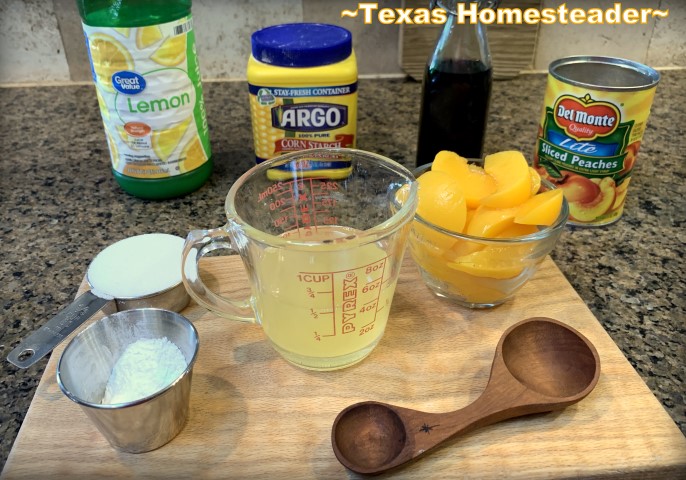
column 52, row 333
column 84, row 369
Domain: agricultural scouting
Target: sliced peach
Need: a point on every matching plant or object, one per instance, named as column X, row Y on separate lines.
column 470, row 215
column 490, row 222
column 535, row 180
column 451, row 163
column 475, row 289
column 441, row 201
column 461, row 248
column 541, row 209
column 580, row 189
column 476, row 185
column 471, row 288
column 433, row 242
column 424, row 250
column 588, row 211
column 621, row 194
column 512, row 178
column 517, row 230
column 630, row 159
column 622, row 187
column 491, row 262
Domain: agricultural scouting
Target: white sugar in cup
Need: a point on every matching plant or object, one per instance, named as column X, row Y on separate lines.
column 137, row 267
column 143, row 271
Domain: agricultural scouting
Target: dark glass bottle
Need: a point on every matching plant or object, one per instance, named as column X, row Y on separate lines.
column 456, row 90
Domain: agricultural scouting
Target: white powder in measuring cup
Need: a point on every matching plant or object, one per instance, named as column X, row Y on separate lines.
column 145, row 367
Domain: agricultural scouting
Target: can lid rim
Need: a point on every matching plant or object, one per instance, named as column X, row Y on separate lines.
column 651, row 75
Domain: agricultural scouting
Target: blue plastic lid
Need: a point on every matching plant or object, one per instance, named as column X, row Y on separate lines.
column 301, row 44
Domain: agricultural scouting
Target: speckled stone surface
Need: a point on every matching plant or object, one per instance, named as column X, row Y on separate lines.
column 60, row 206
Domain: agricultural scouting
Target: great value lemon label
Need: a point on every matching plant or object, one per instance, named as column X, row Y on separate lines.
column 588, row 137
column 150, row 95
column 289, row 119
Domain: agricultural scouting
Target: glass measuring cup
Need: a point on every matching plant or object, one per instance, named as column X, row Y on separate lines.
column 322, row 252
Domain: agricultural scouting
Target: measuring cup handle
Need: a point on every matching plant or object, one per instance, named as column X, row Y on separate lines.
column 198, row 243
column 42, row 341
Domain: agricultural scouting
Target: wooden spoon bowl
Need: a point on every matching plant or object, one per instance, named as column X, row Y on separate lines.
column 550, row 358
column 540, row 365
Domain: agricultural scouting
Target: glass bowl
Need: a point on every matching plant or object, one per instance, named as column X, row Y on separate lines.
column 479, row 272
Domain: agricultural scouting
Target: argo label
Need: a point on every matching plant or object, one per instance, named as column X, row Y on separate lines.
column 310, row 117
column 292, row 119
column 590, row 133
column 302, row 81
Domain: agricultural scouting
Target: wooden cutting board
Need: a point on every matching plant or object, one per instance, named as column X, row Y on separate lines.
column 255, row 416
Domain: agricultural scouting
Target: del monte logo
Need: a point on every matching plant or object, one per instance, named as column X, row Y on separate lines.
column 583, row 118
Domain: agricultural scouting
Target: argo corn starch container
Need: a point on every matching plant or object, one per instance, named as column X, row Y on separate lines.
column 302, row 80
column 594, row 115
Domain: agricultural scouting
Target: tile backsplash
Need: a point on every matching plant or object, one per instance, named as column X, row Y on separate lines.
column 659, row 43
column 41, row 40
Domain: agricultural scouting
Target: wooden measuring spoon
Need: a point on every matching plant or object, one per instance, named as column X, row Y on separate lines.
column 540, row 365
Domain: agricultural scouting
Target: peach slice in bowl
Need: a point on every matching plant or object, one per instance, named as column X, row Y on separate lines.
column 480, row 253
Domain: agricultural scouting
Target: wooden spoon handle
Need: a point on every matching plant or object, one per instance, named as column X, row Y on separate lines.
column 503, row 398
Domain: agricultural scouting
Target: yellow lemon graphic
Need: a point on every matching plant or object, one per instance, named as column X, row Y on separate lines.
column 122, row 31
column 171, row 52
column 122, row 134
column 164, row 142
column 146, row 36
column 194, row 156
column 109, row 56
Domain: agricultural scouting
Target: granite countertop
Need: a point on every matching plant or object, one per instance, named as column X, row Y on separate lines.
column 61, row 206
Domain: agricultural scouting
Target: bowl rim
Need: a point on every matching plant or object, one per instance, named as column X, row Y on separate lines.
column 543, row 233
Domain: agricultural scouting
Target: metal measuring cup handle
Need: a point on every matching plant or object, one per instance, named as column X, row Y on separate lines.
column 42, row 341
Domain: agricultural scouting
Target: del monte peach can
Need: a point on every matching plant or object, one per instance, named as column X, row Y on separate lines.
column 594, row 114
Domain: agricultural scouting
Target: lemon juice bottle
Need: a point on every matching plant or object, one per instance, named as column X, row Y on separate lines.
column 148, row 85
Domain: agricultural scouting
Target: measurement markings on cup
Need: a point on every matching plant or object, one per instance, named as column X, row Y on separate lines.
column 374, row 267
column 303, row 205
column 353, row 298
column 324, row 314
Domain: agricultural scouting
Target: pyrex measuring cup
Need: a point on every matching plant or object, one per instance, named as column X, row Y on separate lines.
column 322, row 252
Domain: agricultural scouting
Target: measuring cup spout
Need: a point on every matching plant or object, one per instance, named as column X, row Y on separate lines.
column 199, row 243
